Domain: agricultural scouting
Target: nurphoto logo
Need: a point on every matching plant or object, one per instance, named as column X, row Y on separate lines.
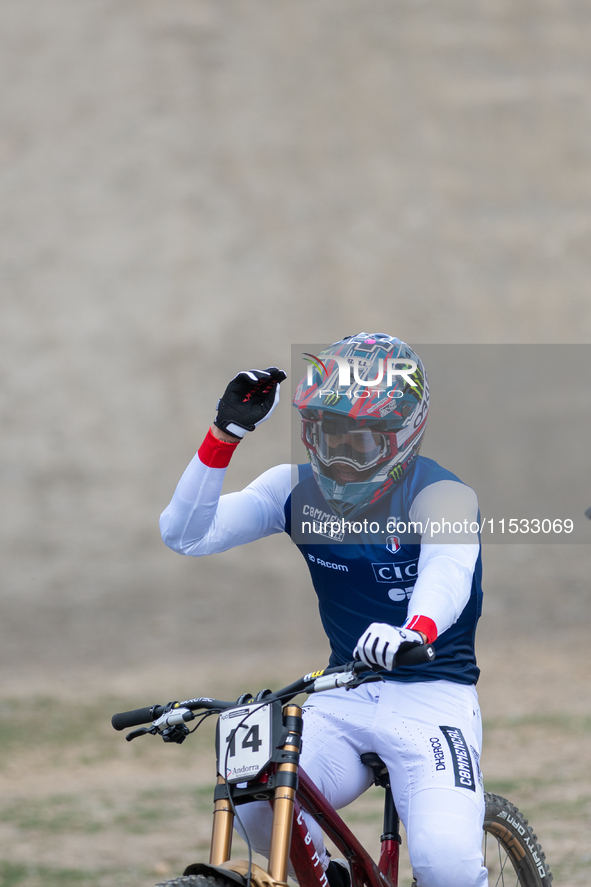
column 390, row 369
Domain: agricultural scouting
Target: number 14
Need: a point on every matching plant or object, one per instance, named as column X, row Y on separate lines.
column 251, row 740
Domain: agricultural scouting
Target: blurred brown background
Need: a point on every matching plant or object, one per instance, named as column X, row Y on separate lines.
column 189, row 187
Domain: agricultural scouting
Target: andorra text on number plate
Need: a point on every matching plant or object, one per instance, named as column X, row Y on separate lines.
column 244, row 741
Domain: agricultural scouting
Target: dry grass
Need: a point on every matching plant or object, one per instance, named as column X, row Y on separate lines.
column 80, row 806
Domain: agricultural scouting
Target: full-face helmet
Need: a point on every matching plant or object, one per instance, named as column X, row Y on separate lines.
column 363, row 404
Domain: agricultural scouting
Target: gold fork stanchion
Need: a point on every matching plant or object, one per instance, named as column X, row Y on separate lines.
column 221, row 836
column 285, row 789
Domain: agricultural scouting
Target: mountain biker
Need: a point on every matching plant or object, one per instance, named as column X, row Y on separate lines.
column 391, row 542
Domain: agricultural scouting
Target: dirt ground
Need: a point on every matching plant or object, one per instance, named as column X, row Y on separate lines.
column 80, row 806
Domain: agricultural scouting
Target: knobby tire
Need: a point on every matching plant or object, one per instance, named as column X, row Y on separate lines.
column 511, row 850
column 194, row 881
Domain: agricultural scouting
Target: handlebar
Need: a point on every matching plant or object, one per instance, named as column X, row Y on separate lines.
column 138, row 716
column 415, row 655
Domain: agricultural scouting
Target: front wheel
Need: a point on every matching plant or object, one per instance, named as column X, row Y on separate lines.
column 194, row 881
column 511, row 852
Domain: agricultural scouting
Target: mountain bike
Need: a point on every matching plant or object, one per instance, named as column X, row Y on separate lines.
column 258, row 743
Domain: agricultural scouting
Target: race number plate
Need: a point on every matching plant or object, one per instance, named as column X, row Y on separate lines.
column 244, row 741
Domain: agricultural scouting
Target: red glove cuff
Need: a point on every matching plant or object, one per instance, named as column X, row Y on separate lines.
column 423, row 624
column 216, row 453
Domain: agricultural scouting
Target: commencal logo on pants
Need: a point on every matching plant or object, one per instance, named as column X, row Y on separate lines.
column 460, row 756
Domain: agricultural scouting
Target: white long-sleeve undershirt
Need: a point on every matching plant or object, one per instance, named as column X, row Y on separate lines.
column 200, row 520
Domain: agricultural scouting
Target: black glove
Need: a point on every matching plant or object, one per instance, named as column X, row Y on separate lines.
column 249, row 399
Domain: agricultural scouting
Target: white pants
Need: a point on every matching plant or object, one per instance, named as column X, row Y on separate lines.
column 429, row 735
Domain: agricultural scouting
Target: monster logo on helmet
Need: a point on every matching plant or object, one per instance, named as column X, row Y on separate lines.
column 363, row 404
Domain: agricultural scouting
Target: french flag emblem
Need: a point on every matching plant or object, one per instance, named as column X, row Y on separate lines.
column 392, row 544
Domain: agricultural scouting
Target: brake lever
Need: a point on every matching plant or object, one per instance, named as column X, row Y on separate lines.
column 141, row 732
column 365, row 678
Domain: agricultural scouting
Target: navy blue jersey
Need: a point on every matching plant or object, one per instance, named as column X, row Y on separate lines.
column 359, row 580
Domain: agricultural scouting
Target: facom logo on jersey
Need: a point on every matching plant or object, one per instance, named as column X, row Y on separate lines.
column 331, row 566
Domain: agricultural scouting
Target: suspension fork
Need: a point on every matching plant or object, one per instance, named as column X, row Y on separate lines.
column 286, row 783
column 223, row 823
column 286, row 780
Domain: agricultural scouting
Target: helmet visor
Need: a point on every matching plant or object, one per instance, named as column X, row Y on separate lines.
column 360, row 448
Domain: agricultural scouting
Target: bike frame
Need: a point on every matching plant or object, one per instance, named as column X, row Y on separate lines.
column 305, row 859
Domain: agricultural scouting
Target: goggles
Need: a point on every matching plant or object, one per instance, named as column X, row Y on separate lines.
column 333, row 443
